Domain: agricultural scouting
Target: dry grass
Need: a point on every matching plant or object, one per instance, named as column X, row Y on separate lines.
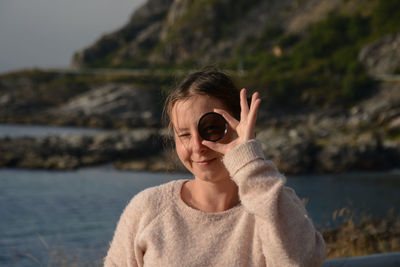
column 362, row 237
column 58, row 256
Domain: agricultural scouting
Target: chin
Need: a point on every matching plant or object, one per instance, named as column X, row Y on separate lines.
column 212, row 176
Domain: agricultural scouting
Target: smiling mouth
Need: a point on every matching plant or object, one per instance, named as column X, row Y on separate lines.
column 204, row 162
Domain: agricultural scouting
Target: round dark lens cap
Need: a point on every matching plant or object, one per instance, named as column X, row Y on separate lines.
column 212, row 126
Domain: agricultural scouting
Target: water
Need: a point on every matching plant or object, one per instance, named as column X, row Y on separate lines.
column 49, row 216
column 74, row 212
column 53, row 217
column 363, row 193
column 16, row 130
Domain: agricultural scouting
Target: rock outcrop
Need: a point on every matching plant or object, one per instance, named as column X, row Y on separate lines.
column 139, row 33
column 382, row 56
column 70, row 152
column 112, row 106
column 294, row 151
column 79, row 99
column 367, row 137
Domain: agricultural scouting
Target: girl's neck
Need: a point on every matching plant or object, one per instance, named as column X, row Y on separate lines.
column 210, row 196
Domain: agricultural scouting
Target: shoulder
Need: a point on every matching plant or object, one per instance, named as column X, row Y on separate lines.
column 151, row 201
column 154, row 196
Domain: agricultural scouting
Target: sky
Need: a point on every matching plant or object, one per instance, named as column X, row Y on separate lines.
column 46, row 33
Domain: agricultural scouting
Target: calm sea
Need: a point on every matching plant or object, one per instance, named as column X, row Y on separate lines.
column 15, row 130
column 53, row 218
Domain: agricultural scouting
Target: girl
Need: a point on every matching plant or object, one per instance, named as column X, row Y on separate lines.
column 235, row 211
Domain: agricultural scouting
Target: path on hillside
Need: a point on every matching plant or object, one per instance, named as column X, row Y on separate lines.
column 133, row 72
column 138, row 72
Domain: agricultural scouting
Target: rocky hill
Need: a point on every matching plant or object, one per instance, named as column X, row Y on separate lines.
column 276, row 45
column 328, row 71
column 188, row 32
column 202, row 32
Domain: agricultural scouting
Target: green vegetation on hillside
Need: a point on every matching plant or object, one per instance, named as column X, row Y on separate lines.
column 322, row 68
column 189, row 30
column 385, row 17
column 318, row 68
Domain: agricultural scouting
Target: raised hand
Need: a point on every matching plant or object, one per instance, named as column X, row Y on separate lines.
column 243, row 128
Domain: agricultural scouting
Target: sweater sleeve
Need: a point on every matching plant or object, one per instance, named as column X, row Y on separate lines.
column 287, row 233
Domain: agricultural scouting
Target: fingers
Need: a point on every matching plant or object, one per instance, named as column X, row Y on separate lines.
column 231, row 120
column 250, row 117
column 255, row 103
column 253, row 98
column 218, row 147
column 244, row 106
column 244, row 103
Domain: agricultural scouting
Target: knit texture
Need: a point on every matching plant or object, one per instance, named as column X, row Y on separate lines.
column 270, row 227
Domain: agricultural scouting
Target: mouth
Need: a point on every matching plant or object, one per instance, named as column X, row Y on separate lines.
column 204, row 162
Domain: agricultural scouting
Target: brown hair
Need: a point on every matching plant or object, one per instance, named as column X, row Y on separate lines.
column 211, row 82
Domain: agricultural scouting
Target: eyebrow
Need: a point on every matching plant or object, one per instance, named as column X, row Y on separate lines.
column 182, row 129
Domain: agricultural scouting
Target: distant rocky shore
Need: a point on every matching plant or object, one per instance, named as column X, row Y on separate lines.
column 102, row 105
column 73, row 151
column 365, row 138
column 294, row 151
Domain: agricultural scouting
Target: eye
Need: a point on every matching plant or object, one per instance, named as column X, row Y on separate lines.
column 209, row 129
column 183, row 135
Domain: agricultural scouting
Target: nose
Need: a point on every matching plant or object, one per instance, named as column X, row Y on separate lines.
column 197, row 146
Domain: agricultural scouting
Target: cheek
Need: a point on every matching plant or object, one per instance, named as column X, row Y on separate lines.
column 181, row 151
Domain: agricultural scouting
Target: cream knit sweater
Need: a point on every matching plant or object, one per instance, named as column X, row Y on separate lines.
column 270, row 227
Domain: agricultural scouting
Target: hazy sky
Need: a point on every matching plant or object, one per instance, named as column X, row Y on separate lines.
column 46, row 33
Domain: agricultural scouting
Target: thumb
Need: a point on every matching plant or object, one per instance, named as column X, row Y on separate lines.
column 218, row 147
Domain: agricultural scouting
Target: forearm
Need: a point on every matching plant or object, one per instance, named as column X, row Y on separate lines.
column 286, row 231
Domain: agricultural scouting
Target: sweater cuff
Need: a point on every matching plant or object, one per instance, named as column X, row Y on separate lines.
column 241, row 155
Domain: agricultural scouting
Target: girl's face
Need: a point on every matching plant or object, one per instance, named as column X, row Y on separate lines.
column 204, row 163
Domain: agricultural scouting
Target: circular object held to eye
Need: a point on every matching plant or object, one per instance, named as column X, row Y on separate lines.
column 212, row 126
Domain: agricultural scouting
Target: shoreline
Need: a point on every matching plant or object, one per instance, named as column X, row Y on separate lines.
column 294, row 152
